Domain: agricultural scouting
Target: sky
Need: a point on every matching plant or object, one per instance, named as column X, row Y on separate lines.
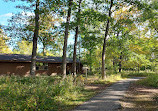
column 6, row 10
column 9, row 8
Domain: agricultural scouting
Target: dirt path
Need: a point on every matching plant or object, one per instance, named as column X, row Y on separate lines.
column 108, row 100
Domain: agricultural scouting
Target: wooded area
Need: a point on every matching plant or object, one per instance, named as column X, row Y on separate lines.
column 116, row 40
column 109, row 35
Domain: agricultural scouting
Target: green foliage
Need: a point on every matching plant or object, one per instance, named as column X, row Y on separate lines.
column 23, row 47
column 132, row 40
column 3, row 43
column 151, row 80
column 40, row 93
column 22, row 25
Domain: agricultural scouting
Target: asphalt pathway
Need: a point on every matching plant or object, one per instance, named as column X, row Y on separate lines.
column 108, row 100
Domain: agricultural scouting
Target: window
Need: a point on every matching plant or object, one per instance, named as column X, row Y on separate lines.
column 41, row 66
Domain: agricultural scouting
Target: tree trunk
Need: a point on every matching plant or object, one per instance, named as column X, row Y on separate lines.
column 104, row 44
column 44, row 52
column 35, row 38
column 120, row 63
column 114, row 68
column 74, row 54
column 138, row 68
column 65, row 40
column 90, row 60
column 118, row 32
column 79, row 67
column 75, row 42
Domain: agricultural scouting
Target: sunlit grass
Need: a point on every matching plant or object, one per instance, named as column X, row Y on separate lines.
column 53, row 93
column 150, row 80
column 127, row 74
column 46, row 93
column 39, row 93
column 109, row 79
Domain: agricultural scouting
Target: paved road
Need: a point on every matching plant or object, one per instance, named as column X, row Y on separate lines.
column 108, row 100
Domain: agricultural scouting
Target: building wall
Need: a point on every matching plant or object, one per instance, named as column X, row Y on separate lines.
column 56, row 68
column 23, row 69
column 14, row 68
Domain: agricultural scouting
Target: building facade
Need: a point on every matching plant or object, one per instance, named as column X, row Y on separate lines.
column 17, row 64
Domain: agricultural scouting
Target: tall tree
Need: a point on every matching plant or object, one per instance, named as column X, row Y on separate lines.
column 35, row 38
column 105, row 40
column 3, row 45
column 21, row 26
column 65, row 39
column 23, row 47
column 76, row 37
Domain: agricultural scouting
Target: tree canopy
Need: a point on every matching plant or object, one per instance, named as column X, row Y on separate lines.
column 108, row 34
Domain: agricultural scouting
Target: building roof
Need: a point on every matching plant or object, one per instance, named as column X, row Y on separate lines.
column 27, row 58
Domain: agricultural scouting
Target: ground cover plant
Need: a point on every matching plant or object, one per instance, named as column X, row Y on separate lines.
column 150, row 80
column 39, row 93
column 48, row 93
column 109, row 79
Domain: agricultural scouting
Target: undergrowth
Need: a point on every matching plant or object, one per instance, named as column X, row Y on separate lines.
column 151, row 80
column 134, row 74
column 38, row 93
column 109, row 79
column 47, row 93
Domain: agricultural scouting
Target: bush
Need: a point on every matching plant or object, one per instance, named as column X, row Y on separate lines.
column 39, row 93
column 151, row 80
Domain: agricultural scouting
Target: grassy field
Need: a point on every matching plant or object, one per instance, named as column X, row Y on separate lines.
column 48, row 93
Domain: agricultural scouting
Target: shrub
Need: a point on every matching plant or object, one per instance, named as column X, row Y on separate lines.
column 39, row 93
column 151, row 80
